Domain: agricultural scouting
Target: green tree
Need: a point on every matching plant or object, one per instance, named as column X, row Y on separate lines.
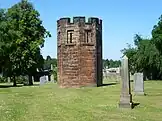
column 111, row 63
column 105, row 63
column 3, row 33
column 5, row 42
column 157, row 34
column 146, row 56
column 139, row 56
column 28, row 36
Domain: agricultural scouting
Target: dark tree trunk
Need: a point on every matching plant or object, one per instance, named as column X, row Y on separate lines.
column 36, row 78
column 14, row 81
column 30, row 80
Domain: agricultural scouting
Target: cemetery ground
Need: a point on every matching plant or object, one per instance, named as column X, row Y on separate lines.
column 51, row 103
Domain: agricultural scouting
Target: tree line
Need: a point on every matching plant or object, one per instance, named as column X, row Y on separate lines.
column 110, row 63
column 22, row 35
column 107, row 63
column 48, row 62
column 146, row 55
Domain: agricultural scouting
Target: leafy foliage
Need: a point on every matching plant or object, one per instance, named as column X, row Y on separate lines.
column 111, row 63
column 22, row 37
column 47, row 65
column 3, row 79
column 146, row 56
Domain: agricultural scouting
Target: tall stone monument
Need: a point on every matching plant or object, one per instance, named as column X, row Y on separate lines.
column 126, row 96
column 138, row 84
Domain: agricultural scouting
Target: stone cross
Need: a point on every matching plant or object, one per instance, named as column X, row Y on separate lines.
column 126, row 96
column 138, row 84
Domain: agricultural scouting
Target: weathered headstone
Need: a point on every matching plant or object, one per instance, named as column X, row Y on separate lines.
column 126, row 96
column 52, row 78
column 26, row 80
column 138, row 84
column 33, row 79
column 8, row 79
column 47, row 78
column 43, row 80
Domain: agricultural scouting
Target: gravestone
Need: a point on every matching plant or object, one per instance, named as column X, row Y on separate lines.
column 33, row 79
column 26, row 80
column 43, row 80
column 138, row 84
column 8, row 79
column 126, row 96
column 52, row 78
column 47, row 78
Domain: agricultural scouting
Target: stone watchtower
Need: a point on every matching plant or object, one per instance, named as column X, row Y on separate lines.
column 79, row 52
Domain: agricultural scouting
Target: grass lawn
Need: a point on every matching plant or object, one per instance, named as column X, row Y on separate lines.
column 50, row 103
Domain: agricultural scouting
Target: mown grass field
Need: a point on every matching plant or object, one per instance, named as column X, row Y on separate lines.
column 50, row 103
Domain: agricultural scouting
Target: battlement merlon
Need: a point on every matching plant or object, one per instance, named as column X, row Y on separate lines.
column 63, row 21
column 79, row 19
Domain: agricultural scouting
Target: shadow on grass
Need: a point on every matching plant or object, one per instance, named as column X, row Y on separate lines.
column 134, row 105
column 32, row 85
column 108, row 84
column 155, row 94
column 9, row 86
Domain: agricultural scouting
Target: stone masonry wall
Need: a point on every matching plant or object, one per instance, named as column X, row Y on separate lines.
column 79, row 52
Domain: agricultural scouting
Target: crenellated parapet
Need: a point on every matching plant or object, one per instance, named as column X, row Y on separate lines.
column 76, row 20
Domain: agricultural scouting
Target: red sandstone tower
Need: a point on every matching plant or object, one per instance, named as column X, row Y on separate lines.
column 79, row 52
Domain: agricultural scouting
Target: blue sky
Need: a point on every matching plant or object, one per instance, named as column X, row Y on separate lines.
column 122, row 19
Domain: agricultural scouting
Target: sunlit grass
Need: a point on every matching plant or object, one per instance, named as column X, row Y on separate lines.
column 51, row 103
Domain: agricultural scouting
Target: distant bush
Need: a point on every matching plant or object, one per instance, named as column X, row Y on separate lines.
column 22, row 79
column 55, row 73
column 3, row 79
